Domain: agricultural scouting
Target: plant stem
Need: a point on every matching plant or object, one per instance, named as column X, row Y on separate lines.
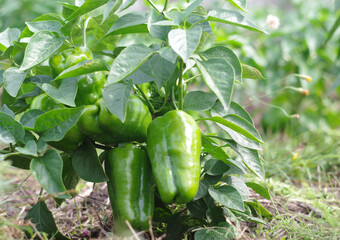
column 84, row 30
column 180, row 85
column 153, row 5
column 152, row 109
column 165, row 6
column 173, row 99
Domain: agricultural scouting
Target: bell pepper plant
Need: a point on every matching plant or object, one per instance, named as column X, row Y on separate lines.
column 148, row 95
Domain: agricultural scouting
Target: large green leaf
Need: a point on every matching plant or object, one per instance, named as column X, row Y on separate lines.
column 86, row 7
column 66, row 93
column 127, row 3
column 13, row 79
column 47, row 170
column 251, row 158
column 116, row 96
column 240, row 4
column 160, row 32
column 51, row 26
column 159, row 68
column 219, row 77
column 199, row 101
column 228, row 55
column 87, row 165
column 233, row 18
column 43, row 218
column 128, row 61
column 259, row 189
column 135, row 22
column 239, row 184
column 239, row 125
column 185, row 41
column 211, row 147
column 29, row 117
column 11, row 131
column 30, row 148
column 54, row 124
column 7, row 38
column 228, row 196
column 215, row 167
column 234, row 108
column 221, row 232
column 40, row 47
column 84, row 67
column 110, row 8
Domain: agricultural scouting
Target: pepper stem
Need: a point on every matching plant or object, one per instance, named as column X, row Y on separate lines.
column 151, row 108
column 165, row 6
column 153, row 5
column 180, row 85
column 84, row 30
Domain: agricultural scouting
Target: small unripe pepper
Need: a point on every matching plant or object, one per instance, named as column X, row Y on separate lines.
column 174, row 145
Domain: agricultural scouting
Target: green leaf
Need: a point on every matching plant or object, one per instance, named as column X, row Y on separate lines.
column 211, row 147
column 29, row 149
column 86, row 7
column 234, row 108
column 87, row 165
column 84, row 67
column 251, row 158
column 185, row 41
column 66, row 93
column 160, row 32
column 251, row 72
column 127, row 3
column 43, row 218
column 233, row 18
column 189, row 9
column 199, row 21
column 7, row 38
column 110, row 8
column 212, row 180
column 116, row 97
column 238, row 125
column 5, row 109
column 229, row 56
column 219, row 77
column 135, row 22
column 239, row 184
column 54, row 124
column 198, row 208
column 228, row 196
column 13, row 79
column 158, row 68
column 47, row 170
column 1, row 77
column 240, row 4
column 260, row 210
column 128, row 61
column 215, row 167
column 222, row 232
column 50, row 26
column 11, row 131
column 261, row 190
column 40, row 47
column 199, row 101
column 202, row 189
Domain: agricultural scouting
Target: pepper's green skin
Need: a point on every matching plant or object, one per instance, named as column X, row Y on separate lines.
column 130, row 187
column 73, row 137
column 89, row 125
column 174, row 145
column 134, row 128
column 90, row 85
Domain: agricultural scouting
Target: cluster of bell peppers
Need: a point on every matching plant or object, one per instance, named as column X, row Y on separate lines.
column 171, row 157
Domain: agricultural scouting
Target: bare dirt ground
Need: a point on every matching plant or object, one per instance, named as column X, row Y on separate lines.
column 88, row 215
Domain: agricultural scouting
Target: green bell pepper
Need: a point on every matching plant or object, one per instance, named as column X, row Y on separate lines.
column 134, row 128
column 174, row 145
column 73, row 137
column 90, row 85
column 130, row 187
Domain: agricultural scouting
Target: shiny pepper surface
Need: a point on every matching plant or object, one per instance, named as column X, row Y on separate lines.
column 173, row 145
column 134, row 128
column 130, row 187
column 72, row 138
column 90, row 85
